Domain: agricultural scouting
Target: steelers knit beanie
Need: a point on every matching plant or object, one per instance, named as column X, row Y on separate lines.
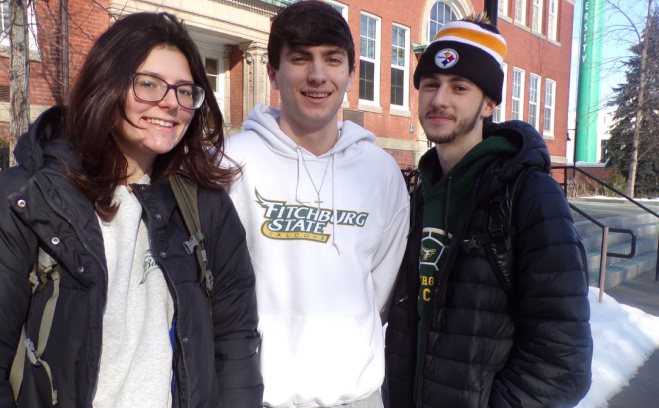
column 469, row 48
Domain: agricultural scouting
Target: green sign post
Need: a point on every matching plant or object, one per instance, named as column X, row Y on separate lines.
column 588, row 91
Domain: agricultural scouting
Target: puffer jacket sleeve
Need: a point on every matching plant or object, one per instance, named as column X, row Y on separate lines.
column 235, row 316
column 16, row 259
column 549, row 365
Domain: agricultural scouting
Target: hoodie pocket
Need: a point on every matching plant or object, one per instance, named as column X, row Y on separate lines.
column 313, row 357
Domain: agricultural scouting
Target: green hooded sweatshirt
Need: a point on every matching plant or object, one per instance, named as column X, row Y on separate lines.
column 444, row 198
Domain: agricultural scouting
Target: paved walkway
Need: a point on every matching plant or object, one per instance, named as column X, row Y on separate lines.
column 643, row 389
column 604, row 208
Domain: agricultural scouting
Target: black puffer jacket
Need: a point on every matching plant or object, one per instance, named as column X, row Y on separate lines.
column 485, row 348
column 216, row 363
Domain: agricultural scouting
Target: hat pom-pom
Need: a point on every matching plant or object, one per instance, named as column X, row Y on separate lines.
column 478, row 18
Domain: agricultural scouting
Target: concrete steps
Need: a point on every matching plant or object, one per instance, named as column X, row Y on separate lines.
column 619, row 270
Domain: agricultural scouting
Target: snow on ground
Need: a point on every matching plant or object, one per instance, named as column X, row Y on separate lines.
column 621, row 199
column 624, row 337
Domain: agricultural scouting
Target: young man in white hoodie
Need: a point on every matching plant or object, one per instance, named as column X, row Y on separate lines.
column 326, row 214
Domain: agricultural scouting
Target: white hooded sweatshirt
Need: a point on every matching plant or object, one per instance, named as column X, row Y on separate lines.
column 321, row 287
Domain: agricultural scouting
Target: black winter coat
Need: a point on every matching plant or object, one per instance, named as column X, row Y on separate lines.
column 485, row 348
column 215, row 362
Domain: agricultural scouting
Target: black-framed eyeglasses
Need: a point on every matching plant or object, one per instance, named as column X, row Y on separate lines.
column 149, row 88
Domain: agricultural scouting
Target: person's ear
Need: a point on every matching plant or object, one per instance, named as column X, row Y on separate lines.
column 489, row 106
column 272, row 75
column 351, row 80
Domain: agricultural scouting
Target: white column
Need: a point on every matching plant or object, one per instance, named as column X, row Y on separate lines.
column 256, row 87
column 227, row 83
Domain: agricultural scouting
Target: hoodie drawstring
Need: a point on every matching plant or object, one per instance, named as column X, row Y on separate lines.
column 335, row 240
column 448, row 196
column 298, row 199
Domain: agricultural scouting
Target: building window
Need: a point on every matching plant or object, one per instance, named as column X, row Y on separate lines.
column 212, row 72
column 520, row 11
column 5, row 25
column 503, row 7
column 440, row 14
column 603, row 149
column 399, row 66
column 369, row 59
column 500, row 111
column 536, row 22
column 550, row 100
column 340, row 7
column 4, row 17
column 552, row 21
column 518, row 94
column 534, row 100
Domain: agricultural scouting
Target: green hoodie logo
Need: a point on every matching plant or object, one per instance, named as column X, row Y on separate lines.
column 292, row 221
column 434, row 242
column 148, row 265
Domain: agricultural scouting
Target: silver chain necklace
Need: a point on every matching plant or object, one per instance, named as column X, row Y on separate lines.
column 331, row 157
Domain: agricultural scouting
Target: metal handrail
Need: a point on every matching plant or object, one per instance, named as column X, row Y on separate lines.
column 564, row 184
column 601, row 281
column 632, row 251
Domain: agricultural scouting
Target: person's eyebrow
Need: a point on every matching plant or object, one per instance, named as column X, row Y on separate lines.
column 330, row 51
column 178, row 82
column 458, row 78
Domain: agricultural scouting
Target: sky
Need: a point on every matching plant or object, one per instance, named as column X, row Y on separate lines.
column 617, row 38
column 624, row 337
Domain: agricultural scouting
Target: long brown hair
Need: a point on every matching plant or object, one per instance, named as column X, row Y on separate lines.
column 98, row 101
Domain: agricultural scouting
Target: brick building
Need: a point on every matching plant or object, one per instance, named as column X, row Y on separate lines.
column 391, row 32
column 232, row 37
column 389, row 35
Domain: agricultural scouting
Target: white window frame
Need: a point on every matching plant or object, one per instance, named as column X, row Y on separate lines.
column 343, row 8
column 534, row 99
column 31, row 29
column 405, row 68
column 503, row 8
column 552, row 20
column 376, row 61
column 500, row 111
column 219, row 92
column 519, row 95
column 520, row 12
column 454, row 16
column 551, row 107
column 536, row 18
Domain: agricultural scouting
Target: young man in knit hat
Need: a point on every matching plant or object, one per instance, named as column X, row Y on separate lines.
column 326, row 214
column 490, row 308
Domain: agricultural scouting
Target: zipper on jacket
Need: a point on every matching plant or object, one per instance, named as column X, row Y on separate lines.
column 453, row 250
column 177, row 301
column 93, row 254
column 56, row 211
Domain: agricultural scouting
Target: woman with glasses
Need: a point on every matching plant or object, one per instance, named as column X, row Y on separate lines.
column 115, row 315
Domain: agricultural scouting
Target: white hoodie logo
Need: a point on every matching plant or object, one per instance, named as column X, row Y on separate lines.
column 292, row 221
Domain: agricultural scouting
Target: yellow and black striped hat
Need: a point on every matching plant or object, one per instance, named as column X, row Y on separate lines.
column 470, row 48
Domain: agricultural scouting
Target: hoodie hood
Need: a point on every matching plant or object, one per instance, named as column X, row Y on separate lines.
column 46, row 141
column 533, row 151
column 264, row 120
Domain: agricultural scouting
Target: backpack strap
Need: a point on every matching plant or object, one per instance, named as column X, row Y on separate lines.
column 498, row 231
column 45, row 267
column 185, row 191
column 18, row 367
